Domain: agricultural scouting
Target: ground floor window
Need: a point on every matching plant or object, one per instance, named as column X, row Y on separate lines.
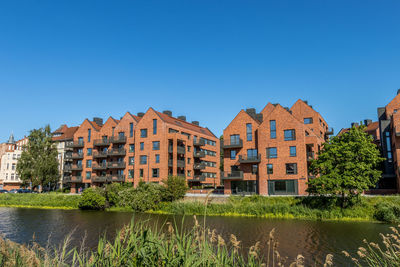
column 282, row 187
column 244, row 187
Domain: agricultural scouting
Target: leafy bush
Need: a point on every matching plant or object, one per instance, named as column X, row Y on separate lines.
column 112, row 193
column 92, row 199
column 144, row 197
column 387, row 212
column 175, row 188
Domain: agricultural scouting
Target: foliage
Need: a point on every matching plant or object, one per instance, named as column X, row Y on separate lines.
column 38, row 163
column 92, row 199
column 347, row 165
column 47, row 200
column 145, row 197
column 387, row 212
column 175, row 188
column 112, row 193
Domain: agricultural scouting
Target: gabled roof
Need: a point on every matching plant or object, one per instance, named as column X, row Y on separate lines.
column 94, row 125
column 302, row 102
column 242, row 111
column 67, row 133
column 184, row 124
column 136, row 118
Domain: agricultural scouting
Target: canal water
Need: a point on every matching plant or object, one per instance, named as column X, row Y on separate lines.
column 312, row 239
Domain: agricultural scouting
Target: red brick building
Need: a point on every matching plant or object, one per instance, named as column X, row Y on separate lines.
column 148, row 147
column 268, row 152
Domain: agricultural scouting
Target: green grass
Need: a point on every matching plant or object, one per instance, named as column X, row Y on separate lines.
column 44, row 201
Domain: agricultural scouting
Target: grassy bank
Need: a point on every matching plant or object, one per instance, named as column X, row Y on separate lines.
column 285, row 207
column 43, row 201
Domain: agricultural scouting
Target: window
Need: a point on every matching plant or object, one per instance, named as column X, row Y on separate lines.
column 272, row 128
column 141, row 173
column 254, row 169
column 88, row 175
column 155, row 126
column 249, row 133
column 143, row 133
column 189, row 173
column 131, row 148
column 13, row 166
column 80, row 140
column 89, row 151
column 89, row 163
column 272, row 152
column 131, row 160
column 89, row 135
column 121, row 135
column 188, row 160
column 270, row 169
column 308, row 120
column 388, row 147
column 235, row 139
column 131, row 174
column 156, row 173
column 143, row 159
column 156, row 145
column 291, row 168
column 292, row 151
column 113, row 129
column 131, row 129
column 233, row 154
column 307, row 133
column 157, row 158
column 289, row 135
column 252, row 153
column 188, row 148
column 141, row 146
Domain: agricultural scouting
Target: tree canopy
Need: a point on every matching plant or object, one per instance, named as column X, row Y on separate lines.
column 347, row 165
column 38, row 163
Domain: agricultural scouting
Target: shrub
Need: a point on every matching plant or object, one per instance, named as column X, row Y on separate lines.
column 175, row 188
column 112, row 193
column 145, row 197
column 92, row 199
column 387, row 212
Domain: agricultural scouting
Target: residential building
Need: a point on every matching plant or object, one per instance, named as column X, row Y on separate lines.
column 268, row 153
column 147, row 147
column 8, row 169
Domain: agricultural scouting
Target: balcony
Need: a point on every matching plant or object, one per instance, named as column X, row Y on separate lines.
column 67, row 168
column 199, row 166
column 76, row 179
column 101, row 142
column 199, row 154
column 181, row 149
column 77, row 156
column 116, row 178
column 199, row 142
column 180, row 163
column 197, row 178
column 117, row 152
column 116, row 165
column 250, row 159
column 99, row 155
column 76, row 168
column 68, row 157
column 310, row 156
column 329, row 131
column 77, row 144
column 67, row 179
column 232, row 144
column 99, row 167
column 99, row 178
column 232, row 175
column 118, row 139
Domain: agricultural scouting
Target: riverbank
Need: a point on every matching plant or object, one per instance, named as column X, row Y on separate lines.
column 42, row 201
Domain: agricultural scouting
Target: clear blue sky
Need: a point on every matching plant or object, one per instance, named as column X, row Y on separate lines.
column 64, row 61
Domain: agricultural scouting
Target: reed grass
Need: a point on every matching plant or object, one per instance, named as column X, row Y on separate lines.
column 52, row 200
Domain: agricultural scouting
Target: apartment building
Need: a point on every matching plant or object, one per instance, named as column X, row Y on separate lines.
column 62, row 137
column 8, row 169
column 147, row 147
column 268, row 153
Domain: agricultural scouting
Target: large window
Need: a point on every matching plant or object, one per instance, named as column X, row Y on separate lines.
column 293, row 152
column 121, row 135
column 80, row 140
column 156, row 173
column 270, row 169
column 89, row 137
column 235, row 139
column 272, row 152
column 157, row 158
column 143, row 133
column 88, row 175
column 132, row 148
column 308, row 120
column 290, row 135
column 156, row 145
column 252, row 153
column 131, row 173
column 233, row 154
column 131, row 160
column 131, row 129
column 89, row 151
column 141, row 173
column 249, row 132
column 282, row 187
column 291, row 168
column 155, row 126
column 89, row 163
column 272, row 127
column 388, row 147
column 141, row 145
column 143, row 159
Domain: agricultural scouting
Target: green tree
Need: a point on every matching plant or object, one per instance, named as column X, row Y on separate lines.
column 38, row 163
column 175, row 188
column 346, row 166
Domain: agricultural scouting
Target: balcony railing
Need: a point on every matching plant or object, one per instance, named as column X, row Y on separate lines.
column 117, row 152
column 180, row 163
column 101, row 166
column 118, row 139
column 67, row 179
column 99, row 178
column 199, row 142
column 99, row 154
column 76, row 179
column 76, row 168
column 77, row 156
column 250, row 159
column 76, row 144
column 232, row 175
column 199, row 154
column 232, row 143
column 68, row 156
column 116, row 178
column 181, row 149
column 116, row 165
column 199, row 166
column 67, row 168
column 310, row 155
column 101, row 142
column 197, row 178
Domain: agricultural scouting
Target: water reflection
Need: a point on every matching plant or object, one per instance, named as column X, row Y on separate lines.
column 312, row 239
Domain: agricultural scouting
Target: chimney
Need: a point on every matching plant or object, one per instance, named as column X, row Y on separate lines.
column 140, row 114
column 182, row 118
column 259, row 117
column 367, row 122
column 398, row 91
column 98, row 121
column 354, row 124
column 167, row 112
column 251, row 111
column 196, row 123
column 305, row 101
